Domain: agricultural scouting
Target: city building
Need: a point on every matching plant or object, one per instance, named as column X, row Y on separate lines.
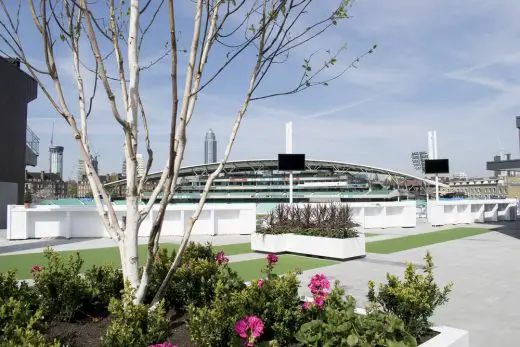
column 84, row 191
column 141, row 165
column 481, row 188
column 45, row 185
column 56, row 160
column 210, row 148
column 82, row 170
column 18, row 144
column 460, row 176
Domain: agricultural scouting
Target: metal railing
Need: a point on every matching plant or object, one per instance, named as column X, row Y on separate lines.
column 33, row 141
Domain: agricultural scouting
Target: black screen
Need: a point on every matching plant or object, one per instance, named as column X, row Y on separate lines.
column 291, row 162
column 436, row 166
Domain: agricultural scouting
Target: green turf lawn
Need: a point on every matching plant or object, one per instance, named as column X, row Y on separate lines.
column 414, row 241
column 370, row 234
column 98, row 256
column 251, row 269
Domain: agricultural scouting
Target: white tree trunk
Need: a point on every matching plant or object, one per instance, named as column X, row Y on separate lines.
column 130, row 260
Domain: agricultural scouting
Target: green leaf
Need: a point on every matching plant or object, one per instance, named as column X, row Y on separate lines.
column 352, row 340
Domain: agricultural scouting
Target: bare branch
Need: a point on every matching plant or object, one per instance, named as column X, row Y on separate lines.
column 148, row 149
column 102, row 70
column 211, row 178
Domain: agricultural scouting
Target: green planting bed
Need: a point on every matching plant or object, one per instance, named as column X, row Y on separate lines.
column 97, row 256
column 420, row 240
column 251, row 269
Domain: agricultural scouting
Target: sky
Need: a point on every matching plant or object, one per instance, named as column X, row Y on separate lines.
column 449, row 66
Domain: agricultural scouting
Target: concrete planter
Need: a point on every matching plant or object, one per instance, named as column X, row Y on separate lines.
column 268, row 243
column 448, row 337
column 310, row 245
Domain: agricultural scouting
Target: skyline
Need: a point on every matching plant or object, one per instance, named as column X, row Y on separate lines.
column 454, row 74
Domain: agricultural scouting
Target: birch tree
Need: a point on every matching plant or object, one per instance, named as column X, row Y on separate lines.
column 103, row 34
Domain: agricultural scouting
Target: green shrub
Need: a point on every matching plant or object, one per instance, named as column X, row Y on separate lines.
column 275, row 301
column 10, row 288
column 192, row 283
column 324, row 220
column 135, row 325
column 20, row 325
column 102, row 284
column 62, row 292
column 413, row 300
column 337, row 324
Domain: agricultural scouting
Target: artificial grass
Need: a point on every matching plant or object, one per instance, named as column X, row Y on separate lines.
column 251, row 269
column 98, row 256
column 420, row 240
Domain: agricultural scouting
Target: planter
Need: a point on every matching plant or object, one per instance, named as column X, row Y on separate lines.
column 310, row 245
column 448, row 337
column 27, row 204
column 268, row 243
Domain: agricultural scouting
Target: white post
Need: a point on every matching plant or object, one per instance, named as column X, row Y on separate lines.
column 435, row 156
column 288, row 150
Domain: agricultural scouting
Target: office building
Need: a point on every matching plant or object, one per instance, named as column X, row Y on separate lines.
column 141, row 165
column 210, row 148
column 82, row 170
column 18, row 144
column 45, row 185
column 56, row 160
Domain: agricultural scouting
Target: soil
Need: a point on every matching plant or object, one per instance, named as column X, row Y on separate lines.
column 88, row 332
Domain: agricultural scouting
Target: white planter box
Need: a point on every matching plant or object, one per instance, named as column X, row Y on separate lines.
column 448, row 337
column 310, row 245
column 268, row 243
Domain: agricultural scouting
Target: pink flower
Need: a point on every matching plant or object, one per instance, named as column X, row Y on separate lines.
column 272, row 258
column 249, row 329
column 36, row 268
column 319, row 301
column 221, row 258
column 306, row 305
column 164, row 344
column 318, row 284
column 260, row 283
column 256, row 325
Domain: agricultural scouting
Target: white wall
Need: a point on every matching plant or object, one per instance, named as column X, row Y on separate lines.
column 471, row 211
column 84, row 221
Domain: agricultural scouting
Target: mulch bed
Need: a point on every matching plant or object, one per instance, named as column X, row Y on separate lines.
column 88, row 332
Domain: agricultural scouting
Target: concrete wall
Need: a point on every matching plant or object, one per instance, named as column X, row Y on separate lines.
column 455, row 212
column 83, row 221
column 17, row 89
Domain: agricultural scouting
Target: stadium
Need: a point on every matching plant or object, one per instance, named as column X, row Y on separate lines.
column 259, row 181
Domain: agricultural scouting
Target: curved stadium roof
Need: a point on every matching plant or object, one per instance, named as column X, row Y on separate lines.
column 272, row 164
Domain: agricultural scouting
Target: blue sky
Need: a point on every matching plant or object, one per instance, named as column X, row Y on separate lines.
column 444, row 65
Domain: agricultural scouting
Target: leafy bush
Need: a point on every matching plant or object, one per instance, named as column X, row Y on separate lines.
column 135, row 325
column 325, row 220
column 275, row 301
column 27, row 196
column 335, row 323
column 413, row 300
column 10, row 288
column 102, row 284
column 192, row 283
column 20, row 325
column 62, row 292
